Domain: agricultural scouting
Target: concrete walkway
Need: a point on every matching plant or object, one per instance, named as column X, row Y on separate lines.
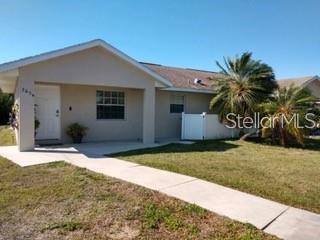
column 274, row 218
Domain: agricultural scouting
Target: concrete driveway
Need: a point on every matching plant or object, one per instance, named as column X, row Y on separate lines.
column 272, row 217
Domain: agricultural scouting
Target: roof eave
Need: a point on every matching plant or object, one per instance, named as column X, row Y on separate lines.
column 191, row 90
column 316, row 77
column 75, row 48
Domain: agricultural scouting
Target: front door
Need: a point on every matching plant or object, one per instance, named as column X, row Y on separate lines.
column 47, row 111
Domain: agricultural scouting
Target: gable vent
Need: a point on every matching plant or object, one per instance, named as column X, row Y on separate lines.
column 197, row 81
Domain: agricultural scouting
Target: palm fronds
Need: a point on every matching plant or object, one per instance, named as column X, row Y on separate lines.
column 286, row 102
column 244, row 84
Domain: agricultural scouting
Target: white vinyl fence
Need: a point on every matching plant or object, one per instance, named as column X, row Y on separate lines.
column 205, row 126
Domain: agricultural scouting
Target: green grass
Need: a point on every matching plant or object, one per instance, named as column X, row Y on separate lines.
column 287, row 175
column 6, row 136
column 60, row 201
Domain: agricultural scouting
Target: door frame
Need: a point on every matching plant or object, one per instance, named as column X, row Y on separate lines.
column 59, row 104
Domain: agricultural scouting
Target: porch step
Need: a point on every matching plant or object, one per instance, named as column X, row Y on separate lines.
column 48, row 142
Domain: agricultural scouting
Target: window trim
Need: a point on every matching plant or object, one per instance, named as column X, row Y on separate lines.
column 110, row 104
column 184, row 103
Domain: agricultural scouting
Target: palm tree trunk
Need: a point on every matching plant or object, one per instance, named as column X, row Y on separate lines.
column 273, row 135
column 282, row 136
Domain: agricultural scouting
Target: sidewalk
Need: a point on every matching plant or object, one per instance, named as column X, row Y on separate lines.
column 272, row 217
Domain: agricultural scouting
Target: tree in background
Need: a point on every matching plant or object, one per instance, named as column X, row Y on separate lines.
column 6, row 102
column 287, row 102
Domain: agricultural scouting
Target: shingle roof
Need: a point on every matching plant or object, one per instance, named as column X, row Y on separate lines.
column 298, row 81
column 184, row 77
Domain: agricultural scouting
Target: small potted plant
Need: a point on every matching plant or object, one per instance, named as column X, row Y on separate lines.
column 76, row 131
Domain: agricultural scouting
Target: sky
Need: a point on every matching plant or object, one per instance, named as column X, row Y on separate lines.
column 185, row 33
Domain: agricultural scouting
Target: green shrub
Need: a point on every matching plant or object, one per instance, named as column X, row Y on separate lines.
column 6, row 102
column 76, row 131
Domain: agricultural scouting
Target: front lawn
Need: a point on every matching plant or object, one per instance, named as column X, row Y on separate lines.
column 60, row 201
column 287, row 175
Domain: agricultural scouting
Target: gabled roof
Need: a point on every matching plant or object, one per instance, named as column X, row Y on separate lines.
column 184, row 78
column 9, row 66
column 173, row 78
column 297, row 81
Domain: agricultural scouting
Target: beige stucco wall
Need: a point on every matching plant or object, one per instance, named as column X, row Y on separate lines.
column 168, row 125
column 93, row 66
column 81, row 74
column 82, row 99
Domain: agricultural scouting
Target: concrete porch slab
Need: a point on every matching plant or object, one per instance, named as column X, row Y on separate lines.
column 41, row 155
column 100, row 149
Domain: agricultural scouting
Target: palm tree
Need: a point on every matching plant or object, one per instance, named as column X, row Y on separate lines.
column 284, row 104
column 244, row 83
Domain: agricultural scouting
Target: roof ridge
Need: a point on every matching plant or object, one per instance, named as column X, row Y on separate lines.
column 298, row 77
column 149, row 63
column 200, row 70
column 183, row 68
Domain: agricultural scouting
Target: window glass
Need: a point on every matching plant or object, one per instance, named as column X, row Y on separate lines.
column 176, row 104
column 110, row 105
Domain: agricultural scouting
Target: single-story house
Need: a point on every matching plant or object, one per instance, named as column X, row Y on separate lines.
column 114, row 96
column 100, row 87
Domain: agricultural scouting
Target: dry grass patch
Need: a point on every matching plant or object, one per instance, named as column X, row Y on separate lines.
column 60, row 201
column 6, row 136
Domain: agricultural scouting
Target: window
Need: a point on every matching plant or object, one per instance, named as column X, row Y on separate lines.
column 176, row 104
column 110, row 105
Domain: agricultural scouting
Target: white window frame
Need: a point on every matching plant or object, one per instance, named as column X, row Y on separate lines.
column 172, row 101
column 111, row 104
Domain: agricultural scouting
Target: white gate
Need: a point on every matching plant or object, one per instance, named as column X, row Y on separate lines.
column 205, row 126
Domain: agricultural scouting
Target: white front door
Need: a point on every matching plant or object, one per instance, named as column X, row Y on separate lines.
column 47, row 111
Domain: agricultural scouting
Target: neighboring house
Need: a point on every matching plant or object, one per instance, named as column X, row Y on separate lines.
column 312, row 83
column 98, row 86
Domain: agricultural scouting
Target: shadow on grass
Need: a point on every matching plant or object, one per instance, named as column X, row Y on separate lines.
column 309, row 143
column 199, row 146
